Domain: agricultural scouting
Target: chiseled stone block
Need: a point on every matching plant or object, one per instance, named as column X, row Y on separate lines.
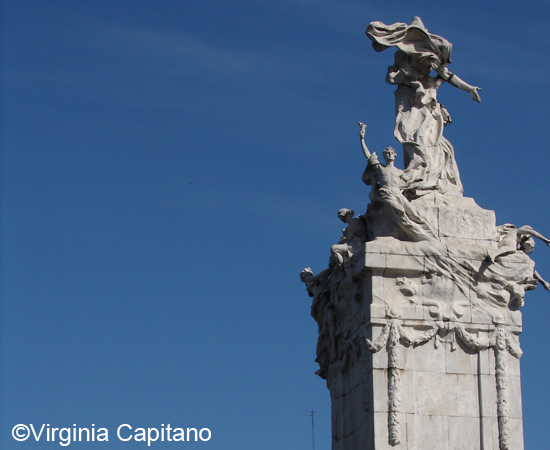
column 429, row 358
column 489, row 433
column 410, row 423
column 464, row 433
column 462, row 218
column 488, row 395
column 516, row 434
column 446, row 394
column 461, row 361
column 432, row 432
column 514, row 386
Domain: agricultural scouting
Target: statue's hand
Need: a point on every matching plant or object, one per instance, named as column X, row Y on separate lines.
column 373, row 159
column 363, row 128
column 474, row 92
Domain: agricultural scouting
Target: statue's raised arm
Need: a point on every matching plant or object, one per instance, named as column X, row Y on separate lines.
column 366, row 151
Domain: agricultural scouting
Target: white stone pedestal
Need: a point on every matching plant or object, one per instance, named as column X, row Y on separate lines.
column 419, row 341
column 437, row 395
column 423, row 362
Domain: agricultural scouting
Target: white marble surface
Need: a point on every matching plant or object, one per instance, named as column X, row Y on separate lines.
column 419, row 309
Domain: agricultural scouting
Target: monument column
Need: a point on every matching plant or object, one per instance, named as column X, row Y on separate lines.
column 419, row 310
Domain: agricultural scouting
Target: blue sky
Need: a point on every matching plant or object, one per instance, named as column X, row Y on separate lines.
column 169, row 167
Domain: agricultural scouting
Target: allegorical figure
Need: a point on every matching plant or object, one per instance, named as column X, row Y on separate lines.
column 387, row 187
column 514, row 245
column 353, row 236
column 429, row 157
column 323, row 311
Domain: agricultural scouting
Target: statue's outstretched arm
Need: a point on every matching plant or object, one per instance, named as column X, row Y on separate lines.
column 544, row 283
column 527, row 229
column 453, row 79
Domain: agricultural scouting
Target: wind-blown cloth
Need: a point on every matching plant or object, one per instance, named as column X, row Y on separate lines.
column 420, row 118
column 413, row 39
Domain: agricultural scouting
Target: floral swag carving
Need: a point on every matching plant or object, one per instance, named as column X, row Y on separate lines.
column 500, row 340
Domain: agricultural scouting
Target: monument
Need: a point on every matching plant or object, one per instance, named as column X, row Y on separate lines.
column 419, row 309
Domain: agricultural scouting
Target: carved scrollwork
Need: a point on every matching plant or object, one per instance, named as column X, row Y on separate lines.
column 448, row 312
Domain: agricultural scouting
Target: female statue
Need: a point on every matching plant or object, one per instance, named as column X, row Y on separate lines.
column 420, row 118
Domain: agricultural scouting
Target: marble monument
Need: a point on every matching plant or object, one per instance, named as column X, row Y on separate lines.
column 419, row 309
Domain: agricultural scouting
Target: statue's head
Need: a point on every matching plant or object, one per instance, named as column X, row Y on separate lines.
column 528, row 245
column 305, row 274
column 389, row 154
column 345, row 213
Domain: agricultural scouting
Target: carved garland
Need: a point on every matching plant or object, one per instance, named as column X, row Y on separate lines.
column 391, row 335
column 500, row 341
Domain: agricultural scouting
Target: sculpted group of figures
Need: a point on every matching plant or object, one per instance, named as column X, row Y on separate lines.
column 430, row 176
column 420, row 118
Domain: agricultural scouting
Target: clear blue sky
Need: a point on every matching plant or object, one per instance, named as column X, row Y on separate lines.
column 169, row 167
